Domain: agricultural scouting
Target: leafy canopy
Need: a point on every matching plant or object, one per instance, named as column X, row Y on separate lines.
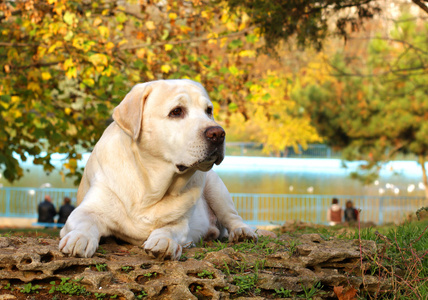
column 375, row 105
column 64, row 66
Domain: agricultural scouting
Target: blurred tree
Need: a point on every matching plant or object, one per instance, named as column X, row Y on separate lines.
column 272, row 115
column 64, row 65
column 375, row 106
column 309, row 22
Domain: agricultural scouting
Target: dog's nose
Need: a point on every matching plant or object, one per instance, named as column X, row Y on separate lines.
column 215, row 135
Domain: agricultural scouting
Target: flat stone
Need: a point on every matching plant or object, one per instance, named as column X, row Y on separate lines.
column 204, row 273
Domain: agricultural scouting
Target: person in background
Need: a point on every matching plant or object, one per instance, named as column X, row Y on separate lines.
column 334, row 213
column 46, row 211
column 351, row 213
column 65, row 210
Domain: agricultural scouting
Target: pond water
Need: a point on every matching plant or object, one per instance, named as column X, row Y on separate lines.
column 243, row 174
column 315, row 176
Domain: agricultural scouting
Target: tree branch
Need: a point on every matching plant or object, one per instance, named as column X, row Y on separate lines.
column 421, row 5
column 391, row 40
column 2, row 44
column 342, row 73
column 40, row 64
column 180, row 42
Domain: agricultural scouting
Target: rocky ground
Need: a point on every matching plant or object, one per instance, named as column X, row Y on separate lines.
column 290, row 266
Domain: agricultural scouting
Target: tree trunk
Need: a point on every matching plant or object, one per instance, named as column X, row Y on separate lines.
column 424, row 175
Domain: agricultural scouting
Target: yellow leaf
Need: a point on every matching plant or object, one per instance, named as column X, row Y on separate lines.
column 185, row 29
column 17, row 114
column 150, row 25
column 52, row 48
column 166, row 68
column 231, row 26
column 69, row 18
column 204, row 15
column 213, row 38
column 59, row 8
column 51, row 1
column 98, row 59
column 71, row 73
column 124, row 41
column 97, row 22
column 104, row 31
column 140, row 53
column 14, row 99
column 172, row 16
column 46, row 76
column 109, row 45
column 33, row 86
column 78, row 42
column 4, row 104
column 150, row 75
column 68, row 64
column 107, row 72
column 247, row 53
column 67, row 111
column 168, row 47
column 88, row 81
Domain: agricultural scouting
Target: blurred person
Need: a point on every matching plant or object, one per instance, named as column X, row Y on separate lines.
column 65, row 210
column 335, row 213
column 351, row 213
column 46, row 211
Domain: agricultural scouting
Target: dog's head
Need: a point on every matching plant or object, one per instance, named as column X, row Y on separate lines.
column 173, row 120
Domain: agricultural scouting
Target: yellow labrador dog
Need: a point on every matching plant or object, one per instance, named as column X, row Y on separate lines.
column 149, row 180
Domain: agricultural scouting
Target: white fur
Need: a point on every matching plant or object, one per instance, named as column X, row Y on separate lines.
column 132, row 188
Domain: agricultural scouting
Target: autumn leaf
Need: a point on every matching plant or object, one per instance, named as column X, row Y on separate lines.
column 150, row 25
column 99, row 59
column 345, row 294
column 166, row 68
column 69, row 18
column 46, row 76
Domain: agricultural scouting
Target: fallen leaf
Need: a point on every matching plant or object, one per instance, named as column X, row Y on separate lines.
column 345, row 294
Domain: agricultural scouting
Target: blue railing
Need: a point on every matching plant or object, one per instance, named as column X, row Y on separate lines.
column 255, row 209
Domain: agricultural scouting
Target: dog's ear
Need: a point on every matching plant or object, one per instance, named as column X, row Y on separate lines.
column 129, row 113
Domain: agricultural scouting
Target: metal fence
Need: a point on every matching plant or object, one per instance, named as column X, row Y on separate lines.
column 261, row 209
column 23, row 202
column 255, row 209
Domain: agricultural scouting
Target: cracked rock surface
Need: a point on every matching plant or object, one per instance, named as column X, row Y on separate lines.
column 31, row 267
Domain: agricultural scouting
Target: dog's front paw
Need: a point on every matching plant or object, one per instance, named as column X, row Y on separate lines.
column 163, row 248
column 242, row 234
column 78, row 243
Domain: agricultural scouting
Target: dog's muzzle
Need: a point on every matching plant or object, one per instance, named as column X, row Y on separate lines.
column 214, row 136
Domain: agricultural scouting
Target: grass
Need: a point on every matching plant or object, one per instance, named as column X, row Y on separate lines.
column 68, row 287
column 30, row 232
column 403, row 259
column 206, row 274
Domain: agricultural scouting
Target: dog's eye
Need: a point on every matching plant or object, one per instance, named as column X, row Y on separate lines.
column 209, row 111
column 176, row 112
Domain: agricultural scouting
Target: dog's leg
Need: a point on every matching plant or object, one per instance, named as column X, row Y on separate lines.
column 164, row 242
column 81, row 234
column 220, row 201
